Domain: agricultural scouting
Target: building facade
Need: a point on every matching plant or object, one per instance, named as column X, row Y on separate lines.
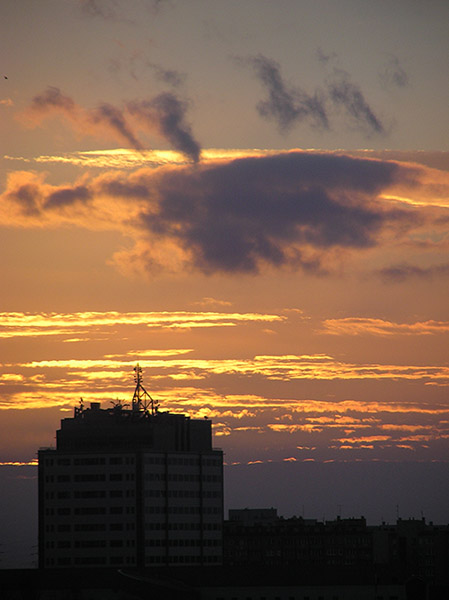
column 130, row 488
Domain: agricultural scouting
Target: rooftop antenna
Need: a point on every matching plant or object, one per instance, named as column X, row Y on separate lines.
column 142, row 401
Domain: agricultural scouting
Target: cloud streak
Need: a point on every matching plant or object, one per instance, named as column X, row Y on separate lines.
column 166, row 114
column 163, row 115
column 380, row 327
column 348, row 95
column 286, row 105
column 36, row 324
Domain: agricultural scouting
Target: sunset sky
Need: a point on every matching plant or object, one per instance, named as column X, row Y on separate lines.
column 250, row 199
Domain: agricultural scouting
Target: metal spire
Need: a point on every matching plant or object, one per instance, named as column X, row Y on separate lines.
column 142, row 401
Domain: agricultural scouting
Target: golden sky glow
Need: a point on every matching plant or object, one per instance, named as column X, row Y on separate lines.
column 235, row 225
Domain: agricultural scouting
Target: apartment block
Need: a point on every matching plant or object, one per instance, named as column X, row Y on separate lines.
column 130, row 488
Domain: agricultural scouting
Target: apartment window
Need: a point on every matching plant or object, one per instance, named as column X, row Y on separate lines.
column 90, row 494
column 115, row 460
column 90, row 544
column 115, row 477
column 89, row 477
column 90, row 510
column 90, row 460
column 90, row 527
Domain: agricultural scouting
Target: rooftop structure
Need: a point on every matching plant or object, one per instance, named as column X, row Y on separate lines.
column 130, row 487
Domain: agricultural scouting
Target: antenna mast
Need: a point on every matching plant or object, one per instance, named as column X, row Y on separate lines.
column 142, row 401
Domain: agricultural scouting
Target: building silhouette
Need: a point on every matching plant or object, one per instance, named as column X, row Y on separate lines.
column 130, row 487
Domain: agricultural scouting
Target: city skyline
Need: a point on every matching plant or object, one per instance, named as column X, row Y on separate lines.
column 250, row 200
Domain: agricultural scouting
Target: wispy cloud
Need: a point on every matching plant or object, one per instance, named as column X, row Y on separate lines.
column 166, row 114
column 67, row 324
column 286, row 105
column 163, row 115
column 404, row 271
column 348, row 95
column 393, row 74
column 270, row 367
column 380, row 327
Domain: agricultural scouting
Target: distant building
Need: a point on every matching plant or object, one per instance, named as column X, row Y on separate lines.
column 130, row 487
column 346, row 550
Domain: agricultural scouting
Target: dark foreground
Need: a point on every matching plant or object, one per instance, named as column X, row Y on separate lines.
column 211, row 583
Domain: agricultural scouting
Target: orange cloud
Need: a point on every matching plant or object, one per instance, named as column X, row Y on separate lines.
column 141, row 204
column 380, row 327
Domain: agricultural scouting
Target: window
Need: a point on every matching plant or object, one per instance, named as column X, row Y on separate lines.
column 89, row 460
column 90, row 510
column 90, row 494
column 90, row 477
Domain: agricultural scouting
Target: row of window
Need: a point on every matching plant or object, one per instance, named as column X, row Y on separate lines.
column 183, row 526
column 181, row 494
column 65, row 544
column 65, row 561
column 90, row 460
column 184, row 510
column 64, row 495
column 178, row 460
column 67, row 527
column 182, row 543
column 181, row 477
column 182, row 559
column 90, row 510
column 83, row 477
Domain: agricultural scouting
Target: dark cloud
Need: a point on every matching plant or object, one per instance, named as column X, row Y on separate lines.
column 68, row 196
column 52, row 98
column 347, row 94
column 393, row 75
column 169, row 76
column 287, row 209
column 325, row 58
column 27, row 196
column 402, row 272
column 286, row 105
column 303, row 210
column 114, row 118
column 166, row 113
column 105, row 9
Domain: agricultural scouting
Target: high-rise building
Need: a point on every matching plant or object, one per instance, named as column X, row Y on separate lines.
column 132, row 487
